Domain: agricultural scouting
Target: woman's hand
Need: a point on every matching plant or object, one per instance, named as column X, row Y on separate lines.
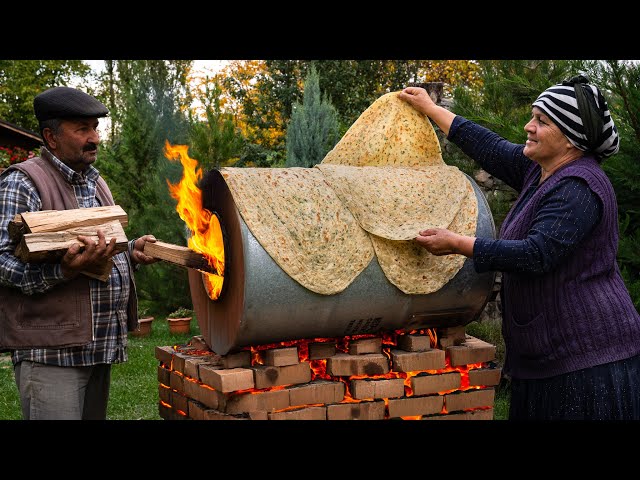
column 440, row 241
column 418, row 98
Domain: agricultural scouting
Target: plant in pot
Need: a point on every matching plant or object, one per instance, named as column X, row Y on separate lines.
column 145, row 320
column 180, row 320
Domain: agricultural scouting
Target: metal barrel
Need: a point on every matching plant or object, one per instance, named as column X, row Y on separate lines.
column 261, row 304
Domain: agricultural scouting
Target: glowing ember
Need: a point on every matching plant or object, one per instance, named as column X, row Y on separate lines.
column 206, row 234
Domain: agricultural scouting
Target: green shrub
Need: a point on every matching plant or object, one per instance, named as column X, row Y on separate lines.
column 181, row 312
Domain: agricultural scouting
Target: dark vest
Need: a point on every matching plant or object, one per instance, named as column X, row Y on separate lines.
column 62, row 316
column 580, row 314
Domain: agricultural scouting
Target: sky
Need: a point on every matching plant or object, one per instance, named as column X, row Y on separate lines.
column 200, row 69
column 199, row 66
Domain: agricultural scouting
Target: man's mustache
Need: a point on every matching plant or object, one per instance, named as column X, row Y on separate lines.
column 89, row 147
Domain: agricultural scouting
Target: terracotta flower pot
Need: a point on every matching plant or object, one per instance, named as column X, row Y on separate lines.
column 179, row 325
column 144, row 328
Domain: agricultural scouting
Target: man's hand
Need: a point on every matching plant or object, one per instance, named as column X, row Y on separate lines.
column 93, row 253
column 138, row 250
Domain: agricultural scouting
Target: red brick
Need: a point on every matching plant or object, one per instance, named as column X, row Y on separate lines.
column 266, row 377
column 227, row 380
column 176, row 381
column 190, row 388
column 166, row 412
column 237, row 360
column 258, row 415
column 440, row 382
column 357, row 411
column 484, row 377
column 450, row 336
column 366, row 389
column 196, row 410
column 320, row 350
column 415, row 406
column 180, row 403
column 164, row 375
column 370, row 364
column 249, row 402
column 280, row 357
column 211, row 414
column 472, row 350
column 192, row 364
column 481, row 414
column 306, row 413
column 178, row 361
column 362, row 346
column 414, row 343
column 402, row 361
column 164, row 394
column 165, row 355
column 469, row 399
column 198, row 342
column 318, row 391
column 201, row 393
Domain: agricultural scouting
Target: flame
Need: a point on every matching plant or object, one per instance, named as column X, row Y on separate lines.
column 206, row 234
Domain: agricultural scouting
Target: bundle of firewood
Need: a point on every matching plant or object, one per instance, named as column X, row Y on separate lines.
column 46, row 235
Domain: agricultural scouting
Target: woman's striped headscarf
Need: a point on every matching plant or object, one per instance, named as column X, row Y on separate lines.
column 582, row 114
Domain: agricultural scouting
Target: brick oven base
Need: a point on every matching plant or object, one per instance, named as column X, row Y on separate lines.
column 443, row 375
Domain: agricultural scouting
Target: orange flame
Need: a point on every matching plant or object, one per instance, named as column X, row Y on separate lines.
column 206, row 234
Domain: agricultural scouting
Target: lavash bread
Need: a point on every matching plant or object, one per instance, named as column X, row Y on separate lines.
column 381, row 184
column 389, row 132
column 412, row 268
column 397, row 202
column 302, row 224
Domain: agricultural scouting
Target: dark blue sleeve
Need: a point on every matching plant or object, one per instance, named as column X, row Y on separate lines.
column 566, row 215
column 499, row 157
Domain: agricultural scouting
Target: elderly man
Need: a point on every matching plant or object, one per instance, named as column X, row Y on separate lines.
column 63, row 328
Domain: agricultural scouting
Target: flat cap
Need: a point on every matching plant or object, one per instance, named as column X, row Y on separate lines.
column 63, row 102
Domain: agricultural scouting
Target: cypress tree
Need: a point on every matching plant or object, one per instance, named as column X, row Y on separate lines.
column 313, row 129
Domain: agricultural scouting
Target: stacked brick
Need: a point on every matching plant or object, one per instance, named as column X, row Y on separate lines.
column 399, row 376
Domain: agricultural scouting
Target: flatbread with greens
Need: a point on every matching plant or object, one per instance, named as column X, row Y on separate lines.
column 412, row 268
column 302, row 225
column 389, row 132
column 397, row 202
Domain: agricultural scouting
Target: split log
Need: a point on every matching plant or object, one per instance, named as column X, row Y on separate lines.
column 57, row 220
column 66, row 225
column 51, row 246
column 178, row 255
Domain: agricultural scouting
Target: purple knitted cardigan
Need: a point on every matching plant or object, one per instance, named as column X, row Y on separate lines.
column 580, row 314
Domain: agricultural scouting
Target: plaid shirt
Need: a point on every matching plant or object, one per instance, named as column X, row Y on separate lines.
column 108, row 299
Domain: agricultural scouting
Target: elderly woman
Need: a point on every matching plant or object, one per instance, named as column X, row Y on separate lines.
column 571, row 331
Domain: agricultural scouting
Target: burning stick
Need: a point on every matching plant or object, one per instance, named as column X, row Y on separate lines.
column 178, row 255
